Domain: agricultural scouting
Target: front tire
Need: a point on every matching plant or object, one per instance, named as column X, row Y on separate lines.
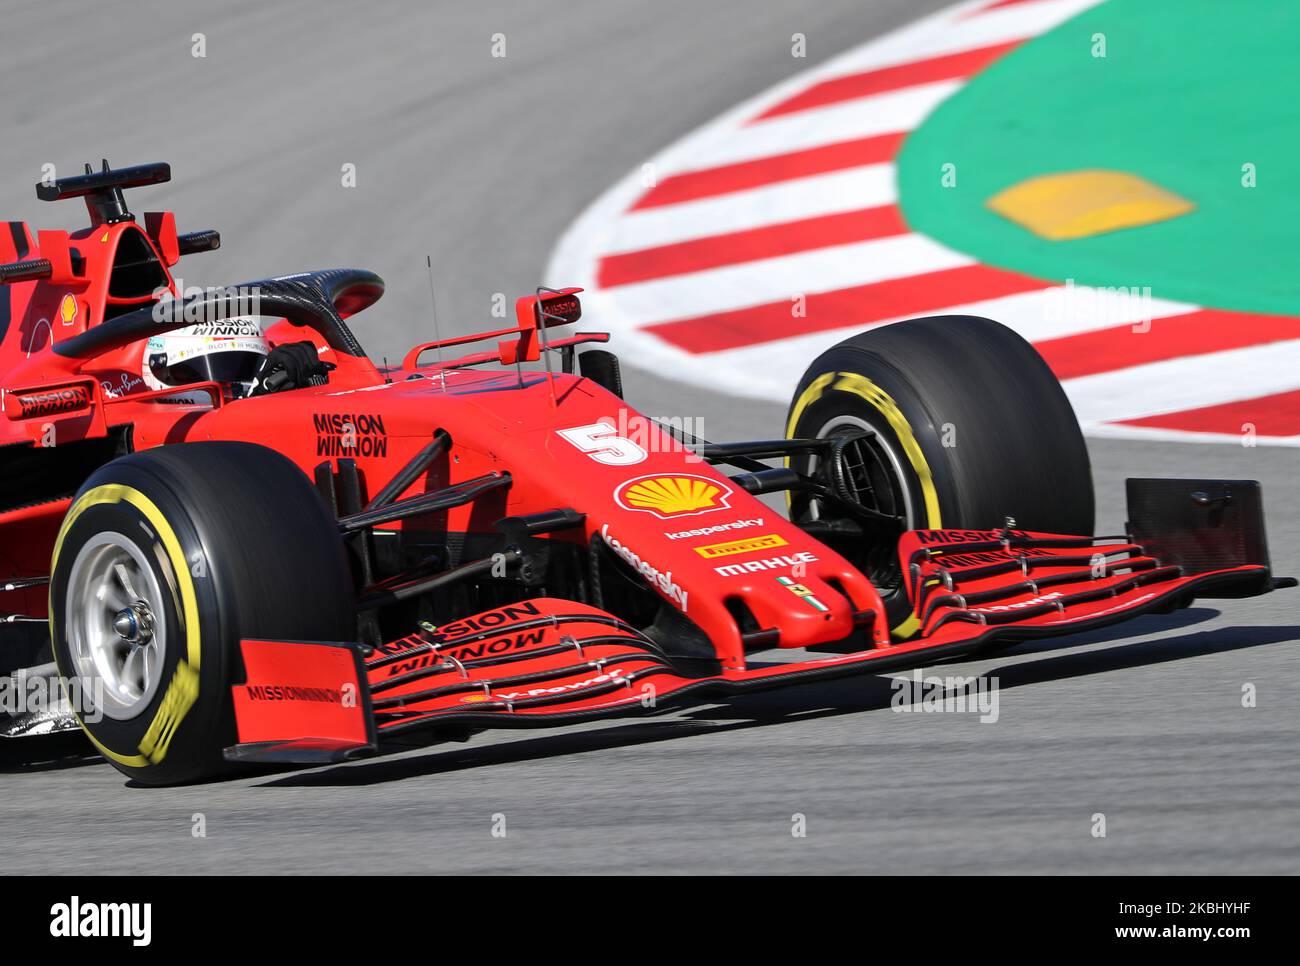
column 961, row 425
column 166, row 559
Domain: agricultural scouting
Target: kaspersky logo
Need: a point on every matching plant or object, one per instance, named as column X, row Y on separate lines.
column 679, row 495
column 652, row 575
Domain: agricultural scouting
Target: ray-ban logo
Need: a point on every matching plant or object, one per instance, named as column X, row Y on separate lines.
column 98, row 920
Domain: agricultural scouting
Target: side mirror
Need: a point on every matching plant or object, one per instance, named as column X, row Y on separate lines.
column 536, row 312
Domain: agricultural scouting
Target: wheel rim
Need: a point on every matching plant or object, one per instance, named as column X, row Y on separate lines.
column 874, row 448
column 114, row 625
column 881, row 485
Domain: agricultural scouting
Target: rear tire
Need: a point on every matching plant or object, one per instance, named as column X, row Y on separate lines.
column 166, row 559
column 968, row 420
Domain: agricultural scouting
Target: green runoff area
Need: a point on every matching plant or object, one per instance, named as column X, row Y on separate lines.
column 1199, row 98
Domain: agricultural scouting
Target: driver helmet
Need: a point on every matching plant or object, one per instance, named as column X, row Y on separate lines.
column 228, row 352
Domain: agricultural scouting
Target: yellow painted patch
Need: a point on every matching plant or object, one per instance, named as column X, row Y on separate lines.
column 1077, row 204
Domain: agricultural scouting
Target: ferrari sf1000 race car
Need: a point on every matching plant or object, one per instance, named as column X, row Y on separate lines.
column 230, row 537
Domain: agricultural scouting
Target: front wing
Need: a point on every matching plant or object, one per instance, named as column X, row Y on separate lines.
column 547, row 661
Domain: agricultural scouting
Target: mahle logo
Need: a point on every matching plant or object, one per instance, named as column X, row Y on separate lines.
column 673, row 496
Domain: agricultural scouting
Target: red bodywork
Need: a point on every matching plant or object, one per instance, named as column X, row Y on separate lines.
column 692, row 534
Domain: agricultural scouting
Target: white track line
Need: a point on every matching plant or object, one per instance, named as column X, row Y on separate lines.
column 824, row 194
column 1189, row 382
column 887, row 113
column 946, row 32
column 781, row 279
column 1155, row 434
column 1059, row 311
column 1036, row 316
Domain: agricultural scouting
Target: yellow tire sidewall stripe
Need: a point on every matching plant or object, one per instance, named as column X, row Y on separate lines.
column 862, row 387
column 182, row 691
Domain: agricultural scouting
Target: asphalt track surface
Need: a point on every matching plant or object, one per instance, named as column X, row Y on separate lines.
column 482, row 163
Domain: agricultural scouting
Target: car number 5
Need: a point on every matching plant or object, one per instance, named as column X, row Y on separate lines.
column 602, row 443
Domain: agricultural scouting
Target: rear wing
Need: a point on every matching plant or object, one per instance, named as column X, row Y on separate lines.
column 103, row 189
column 106, row 205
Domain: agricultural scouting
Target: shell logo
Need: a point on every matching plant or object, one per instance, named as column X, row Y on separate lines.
column 673, row 496
column 68, row 310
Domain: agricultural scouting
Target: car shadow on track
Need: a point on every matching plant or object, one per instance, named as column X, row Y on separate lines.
column 68, row 749
column 799, row 703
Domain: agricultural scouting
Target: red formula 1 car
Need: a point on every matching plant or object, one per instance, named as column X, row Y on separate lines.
column 233, row 538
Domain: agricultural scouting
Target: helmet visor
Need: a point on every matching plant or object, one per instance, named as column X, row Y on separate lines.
column 221, row 367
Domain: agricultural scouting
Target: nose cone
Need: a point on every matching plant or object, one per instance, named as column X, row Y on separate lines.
column 804, row 607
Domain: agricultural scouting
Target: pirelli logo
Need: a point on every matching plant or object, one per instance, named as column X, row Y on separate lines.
column 766, row 542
